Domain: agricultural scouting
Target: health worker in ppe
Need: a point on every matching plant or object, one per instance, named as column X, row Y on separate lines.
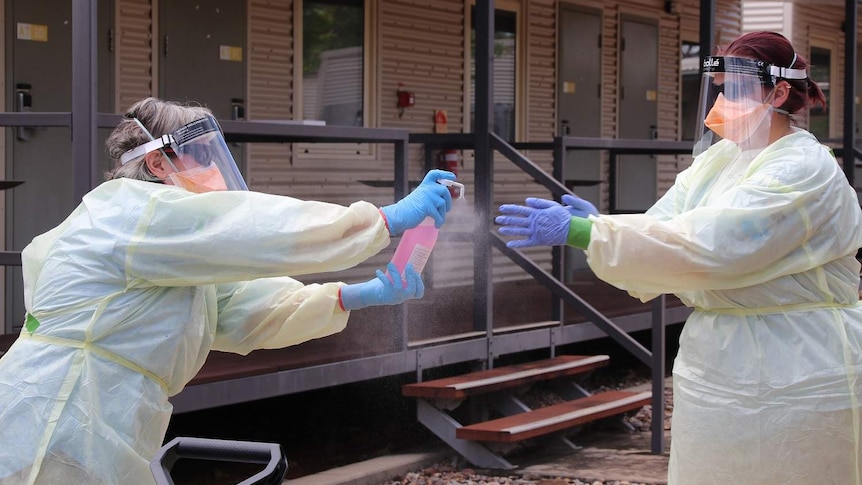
column 169, row 259
column 759, row 236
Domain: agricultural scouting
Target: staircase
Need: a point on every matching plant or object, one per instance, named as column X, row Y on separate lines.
column 498, row 390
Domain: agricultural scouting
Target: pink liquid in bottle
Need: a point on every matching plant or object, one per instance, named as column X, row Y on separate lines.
column 415, row 246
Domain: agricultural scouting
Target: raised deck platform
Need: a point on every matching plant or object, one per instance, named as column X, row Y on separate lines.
column 372, row 346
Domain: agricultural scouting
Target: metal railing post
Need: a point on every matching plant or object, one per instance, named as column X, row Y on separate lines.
column 84, row 99
column 483, row 301
column 612, row 181
column 401, row 186
column 658, row 371
column 558, row 253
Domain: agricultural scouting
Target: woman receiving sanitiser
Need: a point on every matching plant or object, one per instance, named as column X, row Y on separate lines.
column 759, row 236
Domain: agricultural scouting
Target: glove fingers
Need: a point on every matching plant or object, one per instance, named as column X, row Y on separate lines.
column 520, row 243
column 444, row 204
column 419, row 291
column 515, row 231
column 517, row 210
column 570, row 199
column 437, row 201
column 513, row 221
column 442, row 192
column 438, row 214
column 580, row 205
column 410, row 276
column 537, row 203
column 383, row 278
column 434, row 175
column 397, row 282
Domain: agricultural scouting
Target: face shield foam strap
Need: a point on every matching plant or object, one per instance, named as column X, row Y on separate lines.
column 787, row 73
column 768, row 74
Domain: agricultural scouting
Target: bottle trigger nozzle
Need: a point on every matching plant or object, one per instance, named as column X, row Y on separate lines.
column 452, row 183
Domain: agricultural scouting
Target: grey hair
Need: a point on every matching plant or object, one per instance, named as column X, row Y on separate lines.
column 158, row 117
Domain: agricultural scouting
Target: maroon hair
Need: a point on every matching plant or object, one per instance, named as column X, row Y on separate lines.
column 774, row 48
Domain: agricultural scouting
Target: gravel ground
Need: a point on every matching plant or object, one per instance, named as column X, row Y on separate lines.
column 445, row 475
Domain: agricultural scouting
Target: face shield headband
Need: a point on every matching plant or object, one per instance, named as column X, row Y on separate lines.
column 198, row 154
column 735, row 100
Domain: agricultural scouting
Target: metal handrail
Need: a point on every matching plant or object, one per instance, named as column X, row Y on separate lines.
column 654, row 358
column 571, row 298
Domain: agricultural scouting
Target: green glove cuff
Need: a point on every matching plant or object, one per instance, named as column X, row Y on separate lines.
column 579, row 232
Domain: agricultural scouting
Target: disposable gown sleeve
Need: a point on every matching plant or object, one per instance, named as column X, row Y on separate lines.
column 792, row 212
column 271, row 313
column 185, row 239
column 671, row 203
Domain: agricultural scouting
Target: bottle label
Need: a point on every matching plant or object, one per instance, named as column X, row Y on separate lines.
column 419, row 257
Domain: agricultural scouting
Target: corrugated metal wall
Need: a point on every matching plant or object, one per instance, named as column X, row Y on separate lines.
column 766, row 15
column 134, row 51
column 270, row 90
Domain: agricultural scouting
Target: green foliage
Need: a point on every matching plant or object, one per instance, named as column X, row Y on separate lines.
column 328, row 26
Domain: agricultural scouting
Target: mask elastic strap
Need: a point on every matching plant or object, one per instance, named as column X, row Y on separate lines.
column 772, row 97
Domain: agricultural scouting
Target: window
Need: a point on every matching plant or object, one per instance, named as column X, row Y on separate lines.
column 333, row 33
column 505, row 71
column 821, row 72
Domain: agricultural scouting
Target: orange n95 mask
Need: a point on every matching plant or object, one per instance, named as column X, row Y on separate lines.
column 736, row 120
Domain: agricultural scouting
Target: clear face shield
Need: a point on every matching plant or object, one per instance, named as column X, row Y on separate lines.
column 736, row 101
column 198, row 155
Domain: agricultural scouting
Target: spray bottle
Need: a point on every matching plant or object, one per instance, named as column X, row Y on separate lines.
column 416, row 244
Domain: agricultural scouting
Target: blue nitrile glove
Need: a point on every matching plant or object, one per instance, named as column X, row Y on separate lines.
column 541, row 223
column 430, row 199
column 579, row 207
column 386, row 289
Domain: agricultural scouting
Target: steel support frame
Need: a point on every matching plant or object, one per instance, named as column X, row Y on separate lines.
column 438, row 420
column 444, row 427
column 483, row 303
column 659, row 317
column 84, row 96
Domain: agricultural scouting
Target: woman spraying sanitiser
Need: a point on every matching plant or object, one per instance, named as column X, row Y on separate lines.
column 760, row 237
column 169, row 259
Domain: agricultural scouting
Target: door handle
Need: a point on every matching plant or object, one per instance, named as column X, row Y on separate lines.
column 23, row 104
column 653, row 135
column 237, row 109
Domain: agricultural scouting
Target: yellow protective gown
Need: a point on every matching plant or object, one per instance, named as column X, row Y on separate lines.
column 133, row 290
column 762, row 245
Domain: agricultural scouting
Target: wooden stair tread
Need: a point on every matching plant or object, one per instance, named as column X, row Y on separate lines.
column 459, row 387
column 554, row 418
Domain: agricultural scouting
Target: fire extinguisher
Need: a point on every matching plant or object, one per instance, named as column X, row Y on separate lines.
column 449, row 160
